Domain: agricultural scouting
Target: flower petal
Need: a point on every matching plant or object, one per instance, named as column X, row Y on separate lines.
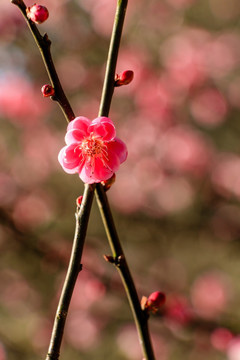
column 80, row 123
column 103, row 127
column 104, row 168
column 86, row 174
column 118, row 147
column 70, row 158
column 74, row 136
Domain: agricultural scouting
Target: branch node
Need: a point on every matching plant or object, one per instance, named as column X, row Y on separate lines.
column 120, row 260
column 46, row 39
column 62, row 315
column 109, row 259
column 53, row 98
column 116, row 260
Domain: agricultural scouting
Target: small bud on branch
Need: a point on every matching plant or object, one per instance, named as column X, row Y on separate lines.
column 154, row 302
column 37, row 13
column 79, row 201
column 47, row 90
column 124, row 78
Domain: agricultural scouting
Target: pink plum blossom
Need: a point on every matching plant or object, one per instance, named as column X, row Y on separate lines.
column 92, row 149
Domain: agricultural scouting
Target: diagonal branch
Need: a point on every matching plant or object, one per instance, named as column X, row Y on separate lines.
column 44, row 45
column 140, row 317
column 82, row 217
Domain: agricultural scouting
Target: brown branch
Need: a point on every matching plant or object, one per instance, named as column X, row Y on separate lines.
column 44, row 45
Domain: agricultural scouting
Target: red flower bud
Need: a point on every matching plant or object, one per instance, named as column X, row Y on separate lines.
column 47, row 90
column 154, row 302
column 109, row 182
column 79, row 201
column 124, row 78
column 37, row 13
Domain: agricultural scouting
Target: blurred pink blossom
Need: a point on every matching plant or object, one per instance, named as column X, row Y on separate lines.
column 210, row 294
column 16, row 291
column 185, row 150
column 221, row 54
column 209, row 107
column 220, row 338
column 82, row 330
column 233, row 350
column 39, row 149
column 68, row 67
column 102, row 13
column 178, row 311
column 19, row 100
column 11, row 23
column 183, row 58
column 153, row 100
column 226, row 175
column 127, row 197
column 88, row 292
column 32, row 210
column 3, row 355
column 128, row 344
column 174, row 194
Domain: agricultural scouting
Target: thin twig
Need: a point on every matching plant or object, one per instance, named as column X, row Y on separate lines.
column 44, row 45
column 141, row 320
column 140, row 317
column 82, row 217
column 108, row 86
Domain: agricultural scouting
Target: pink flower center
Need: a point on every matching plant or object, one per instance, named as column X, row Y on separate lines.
column 93, row 147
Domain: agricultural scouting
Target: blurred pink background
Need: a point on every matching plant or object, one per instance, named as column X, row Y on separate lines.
column 175, row 200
